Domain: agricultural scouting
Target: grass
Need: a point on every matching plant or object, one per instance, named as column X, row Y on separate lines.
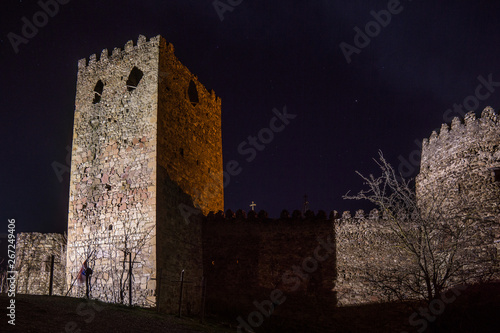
column 36, row 313
column 476, row 310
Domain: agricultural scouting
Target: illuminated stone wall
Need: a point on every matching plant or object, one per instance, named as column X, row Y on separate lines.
column 146, row 139
column 457, row 175
column 365, row 247
column 462, row 161
column 147, row 158
column 33, row 263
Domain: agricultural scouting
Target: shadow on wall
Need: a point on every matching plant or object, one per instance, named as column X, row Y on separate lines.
column 256, row 266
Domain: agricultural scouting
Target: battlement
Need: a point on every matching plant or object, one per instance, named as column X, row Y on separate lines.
column 489, row 118
column 461, row 135
column 461, row 159
column 240, row 216
column 105, row 57
column 470, row 142
column 462, row 130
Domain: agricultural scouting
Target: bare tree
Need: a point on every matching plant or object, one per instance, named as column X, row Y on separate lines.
column 436, row 243
column 106, row 248
column 133, row 240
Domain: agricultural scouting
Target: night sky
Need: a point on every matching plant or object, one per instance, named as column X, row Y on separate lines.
column 263, row 55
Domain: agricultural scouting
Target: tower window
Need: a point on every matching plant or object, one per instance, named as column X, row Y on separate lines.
column 134, row 78
column 193, row 93
column 110, row 227
column 98, row 92
column 495, row 173
column 182, row 152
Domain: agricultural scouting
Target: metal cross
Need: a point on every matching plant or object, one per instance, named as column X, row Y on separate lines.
column 306, row 204
column 253, row 205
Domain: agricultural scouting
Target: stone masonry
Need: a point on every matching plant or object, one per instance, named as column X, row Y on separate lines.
column 459, row 173
column 246, row 259
column 146, row 177
column 365, row 245
column 33, row 263
column 146, row 139
column 463, row 160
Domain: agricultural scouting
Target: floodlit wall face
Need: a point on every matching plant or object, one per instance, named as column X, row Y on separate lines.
column 460, row 173
column 112, row 208
column 459, row 160
column 189, row 168
column 33, row 263
column 246, row 259
column 365, row 246
column 190, row 138
column 147, row 159
column 147, row 145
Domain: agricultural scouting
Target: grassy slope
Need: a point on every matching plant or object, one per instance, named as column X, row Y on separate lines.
column 64, row 314
column 476, row 310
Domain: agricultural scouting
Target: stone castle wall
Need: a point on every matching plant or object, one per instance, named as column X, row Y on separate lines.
column 461, row 165
column 190, row 135
column 147, row 158
column 366, row 248
column 147, row 144
column 188, row 163
column 247, row 258
column 33, row 263
column 460, row 176
column 112, row 209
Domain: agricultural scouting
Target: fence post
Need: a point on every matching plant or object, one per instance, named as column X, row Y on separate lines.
column 180, row 296
column 51, row 280
column 130, row 278
column 158, row 289
column 203, row 297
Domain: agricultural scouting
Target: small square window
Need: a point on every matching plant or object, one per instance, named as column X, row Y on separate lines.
column 495, row 173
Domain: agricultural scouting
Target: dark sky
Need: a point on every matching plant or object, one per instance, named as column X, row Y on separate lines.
column 263, row 55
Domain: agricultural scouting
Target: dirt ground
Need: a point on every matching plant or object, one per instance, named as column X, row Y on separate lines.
column 477, row 310
column 64, row 315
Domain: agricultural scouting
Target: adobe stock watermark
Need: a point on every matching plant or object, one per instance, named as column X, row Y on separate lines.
column 294, row 278
column 372, row 29
column 221, row 7
column 249, row 149
column 30, row 28
column 483, row 91
column 11, row 275
column 436, row 307
column 59, row 168
column 84, row 309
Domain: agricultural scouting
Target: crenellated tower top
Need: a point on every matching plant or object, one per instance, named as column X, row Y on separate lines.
column 462, row 159
column 104, row 58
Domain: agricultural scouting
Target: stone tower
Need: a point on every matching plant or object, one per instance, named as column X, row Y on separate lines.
column 146, row 144
column 463, row 162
